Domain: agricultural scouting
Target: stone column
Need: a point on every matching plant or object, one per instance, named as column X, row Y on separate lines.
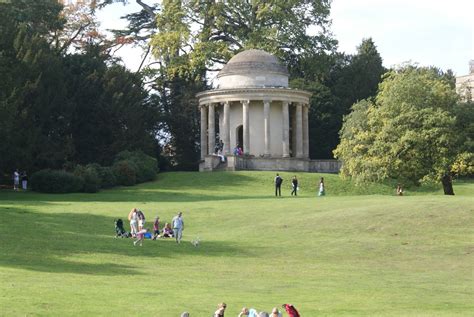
column 246, row 127
column 305, row 132
column 293, row 130
column 226, row 128
column 286, row 129
column 212, row 129
column 203, row 132
column 266, row 123
column 299, row 130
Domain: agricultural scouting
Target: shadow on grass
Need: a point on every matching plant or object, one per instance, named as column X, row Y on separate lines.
column 85, row 244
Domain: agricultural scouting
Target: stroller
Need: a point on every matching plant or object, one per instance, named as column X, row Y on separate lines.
column 119, row 230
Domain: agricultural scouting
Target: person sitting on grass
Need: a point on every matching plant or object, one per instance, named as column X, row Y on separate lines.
column 156, row 228
column 167, row 231
column 220, row 310
column 248, row 312
column 291, row 310
column 275, row 312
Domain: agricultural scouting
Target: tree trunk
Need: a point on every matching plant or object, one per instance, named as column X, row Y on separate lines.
column 447, row 184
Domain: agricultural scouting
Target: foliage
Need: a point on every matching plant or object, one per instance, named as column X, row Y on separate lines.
column 56, row 181
column 146, row 166
column 337, row 81
column 59, row 105
column 125, row 172
column 106, row 175
column 92, row 182
column 408, row 133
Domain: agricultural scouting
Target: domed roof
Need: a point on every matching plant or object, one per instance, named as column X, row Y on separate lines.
column 253, row 68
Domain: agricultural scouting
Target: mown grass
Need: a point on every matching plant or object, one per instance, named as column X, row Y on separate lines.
column 359, row 251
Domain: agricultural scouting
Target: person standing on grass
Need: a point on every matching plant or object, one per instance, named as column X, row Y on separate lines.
column 178, row 227
column 156, row 228
column 294, row 184
column 322, row 190
column 24, row 180
column 278, row 181
column 16, row 180
column 133, row 218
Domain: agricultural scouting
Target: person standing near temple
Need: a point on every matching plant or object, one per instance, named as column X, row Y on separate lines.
column 294, row 184
column 322, row 189
column 278, row 181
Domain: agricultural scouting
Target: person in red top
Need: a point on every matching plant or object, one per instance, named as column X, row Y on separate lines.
column 291, row 310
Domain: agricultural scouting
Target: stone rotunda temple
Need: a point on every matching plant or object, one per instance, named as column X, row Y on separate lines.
column 253, row 108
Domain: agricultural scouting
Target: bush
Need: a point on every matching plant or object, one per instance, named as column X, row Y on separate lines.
column 56, row 181
column 125, row 172
column 90, row 176
column 146, row 166
column 105, row 173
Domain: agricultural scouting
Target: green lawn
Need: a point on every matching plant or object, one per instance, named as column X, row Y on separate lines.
column 355, row 252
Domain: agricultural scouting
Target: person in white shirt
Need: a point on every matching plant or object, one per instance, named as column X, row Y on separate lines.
column 178, row 227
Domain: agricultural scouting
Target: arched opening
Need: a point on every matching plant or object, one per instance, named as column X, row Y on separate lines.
column 239, row 133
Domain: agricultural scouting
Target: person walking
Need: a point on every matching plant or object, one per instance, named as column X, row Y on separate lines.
column 278, row 181
column 294, row 183
column 178, row 227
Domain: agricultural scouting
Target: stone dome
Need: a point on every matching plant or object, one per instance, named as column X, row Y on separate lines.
column 253, row 69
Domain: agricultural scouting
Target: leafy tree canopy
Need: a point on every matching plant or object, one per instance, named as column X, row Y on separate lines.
column 407, row 133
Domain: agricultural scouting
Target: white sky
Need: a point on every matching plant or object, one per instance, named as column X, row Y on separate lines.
column 428, row 32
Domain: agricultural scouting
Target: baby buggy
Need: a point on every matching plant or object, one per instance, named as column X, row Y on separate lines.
column 119, row 230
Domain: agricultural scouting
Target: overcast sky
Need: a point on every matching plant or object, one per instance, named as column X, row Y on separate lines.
column 427, row 32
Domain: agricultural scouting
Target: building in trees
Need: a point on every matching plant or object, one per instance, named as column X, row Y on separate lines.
column 253, row 109
column 465, row 84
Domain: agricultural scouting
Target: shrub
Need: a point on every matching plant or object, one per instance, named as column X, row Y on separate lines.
column 90, row 177
column 146, row 166
column 125, row 172
column 56, row 181
column 107, row 177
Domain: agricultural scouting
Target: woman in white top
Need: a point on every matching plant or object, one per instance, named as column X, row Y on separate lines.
column 322, row 190
column 133, row 217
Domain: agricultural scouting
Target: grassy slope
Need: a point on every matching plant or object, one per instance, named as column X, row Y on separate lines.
column 344, row 254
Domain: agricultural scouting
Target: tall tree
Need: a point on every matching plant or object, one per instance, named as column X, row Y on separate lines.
column 408, row 133
column 195, row 37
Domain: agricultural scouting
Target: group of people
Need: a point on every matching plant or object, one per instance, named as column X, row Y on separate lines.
column 20, row 177
column 140, row 232
column 294, row 186
column 252, row 312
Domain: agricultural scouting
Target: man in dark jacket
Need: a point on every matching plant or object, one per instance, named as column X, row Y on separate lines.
column 278, row 181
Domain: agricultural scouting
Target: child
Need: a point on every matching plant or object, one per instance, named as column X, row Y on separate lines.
column 156, row 228
column 140, row 237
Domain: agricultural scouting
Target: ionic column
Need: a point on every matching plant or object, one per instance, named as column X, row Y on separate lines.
column 286, row 129
column 266, row 123
column 305, row 132
column 203, row 132
column 293, row 129
column 226, row 127
column 212, row 129
column 299, row 130
column 245, row 123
